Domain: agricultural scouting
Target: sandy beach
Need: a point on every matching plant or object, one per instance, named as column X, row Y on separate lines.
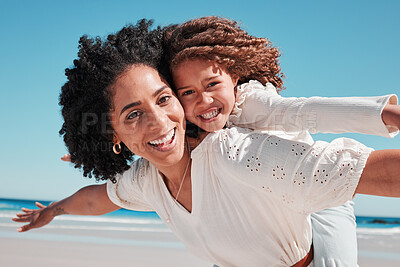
column 72, row 247
column 50, row 247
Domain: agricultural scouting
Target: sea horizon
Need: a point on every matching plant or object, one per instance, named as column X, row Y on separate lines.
column 10, row 206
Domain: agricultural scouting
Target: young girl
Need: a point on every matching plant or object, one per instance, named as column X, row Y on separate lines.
column 209, row 56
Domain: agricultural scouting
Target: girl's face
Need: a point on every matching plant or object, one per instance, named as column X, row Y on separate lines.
column 206, row 93
column 147, row 117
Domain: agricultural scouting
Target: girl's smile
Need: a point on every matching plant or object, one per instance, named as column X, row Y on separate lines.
column 206, row 93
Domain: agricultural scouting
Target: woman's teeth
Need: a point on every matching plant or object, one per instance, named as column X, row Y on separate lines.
column 166, row 139
column 210, row 115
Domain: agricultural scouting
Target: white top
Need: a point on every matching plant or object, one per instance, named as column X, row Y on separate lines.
column 262, row 108
column 252, row 194
column 249, row 208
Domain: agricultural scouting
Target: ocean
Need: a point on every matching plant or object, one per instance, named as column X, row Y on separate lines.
column 126, row 221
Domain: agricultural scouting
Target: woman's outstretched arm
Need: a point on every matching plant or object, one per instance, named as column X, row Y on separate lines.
column 90, row 200
column 381, row 174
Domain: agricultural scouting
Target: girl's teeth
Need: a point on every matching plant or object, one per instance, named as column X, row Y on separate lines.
column 164, row 140
column 210, row 115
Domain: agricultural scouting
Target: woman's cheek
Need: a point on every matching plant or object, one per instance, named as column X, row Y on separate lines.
column 135, row 149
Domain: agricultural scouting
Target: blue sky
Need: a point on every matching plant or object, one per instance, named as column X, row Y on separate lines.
column 329, row 48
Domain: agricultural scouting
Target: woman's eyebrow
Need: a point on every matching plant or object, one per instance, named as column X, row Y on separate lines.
column 159, row 90
column 133, row 104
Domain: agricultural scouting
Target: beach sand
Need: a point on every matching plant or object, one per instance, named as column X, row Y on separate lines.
column 379, row 249
column 59, row 248
column 63, row 247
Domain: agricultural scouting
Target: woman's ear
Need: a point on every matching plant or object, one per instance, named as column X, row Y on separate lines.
column 116, row 139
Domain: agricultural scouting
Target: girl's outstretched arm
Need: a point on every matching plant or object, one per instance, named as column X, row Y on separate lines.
column 381, row 174
column 90, row 200
column 261, row 108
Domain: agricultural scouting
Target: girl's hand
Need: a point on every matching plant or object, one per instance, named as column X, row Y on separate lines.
column 35, row 218
column 66, row 158
column 391, row 115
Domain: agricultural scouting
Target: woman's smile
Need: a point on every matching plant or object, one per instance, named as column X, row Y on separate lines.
column 147, row 116
column 164, row 143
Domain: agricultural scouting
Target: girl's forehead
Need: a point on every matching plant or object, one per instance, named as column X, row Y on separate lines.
column 197, row 66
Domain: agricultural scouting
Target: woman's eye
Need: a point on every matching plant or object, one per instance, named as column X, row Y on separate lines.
column 188, row 92
column 212, row 84
column 164, row 99
column 134, row 114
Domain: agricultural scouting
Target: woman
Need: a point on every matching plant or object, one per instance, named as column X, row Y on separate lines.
column 229, row 196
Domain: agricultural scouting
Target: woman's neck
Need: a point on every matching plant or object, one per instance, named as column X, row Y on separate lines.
column 173, row 175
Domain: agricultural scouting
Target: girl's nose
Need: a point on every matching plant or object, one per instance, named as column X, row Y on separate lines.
column 206, row 98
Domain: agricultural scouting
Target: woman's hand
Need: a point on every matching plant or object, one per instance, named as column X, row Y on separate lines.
column 35, row 218
column 391, row 115
column 66, row 158
column 89, row 200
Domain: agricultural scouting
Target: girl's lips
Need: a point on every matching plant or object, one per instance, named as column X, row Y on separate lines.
column 210, row 116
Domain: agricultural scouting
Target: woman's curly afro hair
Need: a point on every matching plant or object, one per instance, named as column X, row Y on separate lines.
column 222, row 40
column 86, row 97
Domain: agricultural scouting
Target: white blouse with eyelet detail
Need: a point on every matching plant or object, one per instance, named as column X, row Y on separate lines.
column 252, row 194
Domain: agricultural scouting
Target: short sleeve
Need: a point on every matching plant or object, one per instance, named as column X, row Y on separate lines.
column 304, row 177
column 127, row 192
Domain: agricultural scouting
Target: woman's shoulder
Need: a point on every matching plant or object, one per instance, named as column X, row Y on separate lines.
column 137, row 172
column 128, row 190
column 218, row 142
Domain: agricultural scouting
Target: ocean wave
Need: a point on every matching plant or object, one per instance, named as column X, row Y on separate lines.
column 109, row 219
column 98, row 228
column 378, row 231
column 97, row 219
column 8, row 206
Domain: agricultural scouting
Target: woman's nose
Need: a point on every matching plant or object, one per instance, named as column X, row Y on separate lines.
column 156, row 119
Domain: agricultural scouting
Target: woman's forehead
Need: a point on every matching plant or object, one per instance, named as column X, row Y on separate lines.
column 138, row 81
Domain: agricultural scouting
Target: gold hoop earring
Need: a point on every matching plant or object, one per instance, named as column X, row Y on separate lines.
column 117, row 148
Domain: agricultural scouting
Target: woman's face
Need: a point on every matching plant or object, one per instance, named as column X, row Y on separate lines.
column 147, row 117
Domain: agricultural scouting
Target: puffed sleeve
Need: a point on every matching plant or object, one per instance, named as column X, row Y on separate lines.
column 304, row 177
column 262, row 108
column 127, row 192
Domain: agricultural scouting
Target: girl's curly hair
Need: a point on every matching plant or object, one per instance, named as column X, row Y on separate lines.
column 86, row 98
column 222, row 40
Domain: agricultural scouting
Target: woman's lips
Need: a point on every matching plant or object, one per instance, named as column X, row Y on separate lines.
column 166, row 143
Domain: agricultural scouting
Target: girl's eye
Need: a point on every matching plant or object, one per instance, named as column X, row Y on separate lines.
column 164, row 99
column 188, row 92
column 212, row 84
column 134, row 114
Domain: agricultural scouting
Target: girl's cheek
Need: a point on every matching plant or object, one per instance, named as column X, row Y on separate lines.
column 188, row 109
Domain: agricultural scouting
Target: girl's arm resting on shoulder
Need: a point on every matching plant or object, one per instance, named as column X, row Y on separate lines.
column 381, row 174
column 90, row 200
column 261, row 108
